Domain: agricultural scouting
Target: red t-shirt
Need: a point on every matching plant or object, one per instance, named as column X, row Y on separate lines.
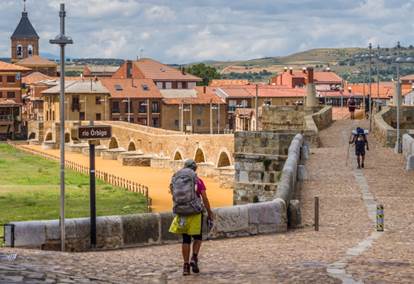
column 200, row 187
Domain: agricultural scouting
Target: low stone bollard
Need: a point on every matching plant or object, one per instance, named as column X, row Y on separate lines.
column 410, row 163
column 294, row 214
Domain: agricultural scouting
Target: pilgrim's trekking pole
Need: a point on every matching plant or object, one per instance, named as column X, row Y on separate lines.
column 347, row 153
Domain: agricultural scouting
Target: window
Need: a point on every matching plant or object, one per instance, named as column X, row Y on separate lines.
column 164, row 85
column 98, row 116
column 127, row 107
column 155, row 122
column 11, row 79
column 118, row 87
column 176, row 122
column 198, row 122
column 81, row 115
column 142, row 107
column 75, row 103
column 30, row 50
column 142, row 121
column 115, row 107
column 47, row 116
column 11, row 95
column 145, row 87
column 244, row 103
column 185, row 85
column 98, row 100
column 155, row 107
column 19, row 51
column 174, row 85
column 53, row 115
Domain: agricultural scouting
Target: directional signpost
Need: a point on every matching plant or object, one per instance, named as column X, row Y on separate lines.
column 93, row 134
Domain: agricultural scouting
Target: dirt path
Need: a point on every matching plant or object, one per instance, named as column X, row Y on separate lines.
column 156, row 179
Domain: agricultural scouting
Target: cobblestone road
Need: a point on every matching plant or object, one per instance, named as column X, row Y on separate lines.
column 299, row 256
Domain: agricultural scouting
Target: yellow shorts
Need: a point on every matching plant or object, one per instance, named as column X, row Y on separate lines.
column 190, row 225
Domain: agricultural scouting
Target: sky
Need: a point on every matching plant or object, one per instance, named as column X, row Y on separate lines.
column 184, row 31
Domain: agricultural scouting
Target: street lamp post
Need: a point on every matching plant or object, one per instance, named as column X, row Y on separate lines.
column 62, row 40
column 369, row 87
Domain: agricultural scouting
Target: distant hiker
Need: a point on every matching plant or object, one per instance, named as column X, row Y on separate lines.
column 359, row 138
column 352, row 106
column 367, row 101
column 190, row 199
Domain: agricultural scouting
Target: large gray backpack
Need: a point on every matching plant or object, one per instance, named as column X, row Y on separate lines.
column 183, row 187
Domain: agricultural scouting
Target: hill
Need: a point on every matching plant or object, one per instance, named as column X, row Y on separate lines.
column 347, row 62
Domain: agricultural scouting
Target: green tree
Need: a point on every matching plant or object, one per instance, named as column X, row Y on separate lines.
column 207, row 73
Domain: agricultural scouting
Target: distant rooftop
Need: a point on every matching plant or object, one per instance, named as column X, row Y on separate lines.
column 79, row 87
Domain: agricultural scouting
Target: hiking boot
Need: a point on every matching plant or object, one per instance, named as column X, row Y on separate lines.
column 186, row 269
column 194, row 264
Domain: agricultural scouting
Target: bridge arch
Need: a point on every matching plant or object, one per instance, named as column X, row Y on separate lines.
column 49, row 136
column 113, row 143
column 199, row 156
column 224, row 159
column 178, row 156
column 131, row 146
column 32, row 136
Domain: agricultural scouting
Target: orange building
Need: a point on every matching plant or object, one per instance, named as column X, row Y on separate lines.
column 10, row 100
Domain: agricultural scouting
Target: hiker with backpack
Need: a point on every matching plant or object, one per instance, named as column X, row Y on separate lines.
column 190, row 200
column 359, row 138
column 351, row 107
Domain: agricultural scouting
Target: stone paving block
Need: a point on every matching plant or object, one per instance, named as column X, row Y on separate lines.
column 140, row 229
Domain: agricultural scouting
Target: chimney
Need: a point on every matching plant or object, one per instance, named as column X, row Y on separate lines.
column 304, row 70
column 204, row 89
column 183, row 70
column 310, row 75
column 290, row 70
column 285, row 69
column 129, row 69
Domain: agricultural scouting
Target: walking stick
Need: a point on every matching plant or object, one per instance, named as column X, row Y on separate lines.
column 347, row 153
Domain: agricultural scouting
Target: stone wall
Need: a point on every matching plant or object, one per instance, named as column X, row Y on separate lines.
column 259, row 160
column 282, row 117
column 293, row 170
column 408, row 150
column 147, row 229
column 385, row 123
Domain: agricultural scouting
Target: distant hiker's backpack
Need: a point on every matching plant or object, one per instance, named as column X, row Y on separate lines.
column 183, row 188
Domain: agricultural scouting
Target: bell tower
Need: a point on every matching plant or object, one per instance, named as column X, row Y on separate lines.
column 24, row 40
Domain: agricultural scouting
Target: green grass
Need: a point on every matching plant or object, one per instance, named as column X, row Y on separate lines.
column 29, row 190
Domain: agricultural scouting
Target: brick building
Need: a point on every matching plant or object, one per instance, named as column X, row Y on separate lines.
column 164, row 77
column 85, row 100
column 134, row 100
column 323, row 80
column 10, row 100
column 24, row 40
column 198, row 110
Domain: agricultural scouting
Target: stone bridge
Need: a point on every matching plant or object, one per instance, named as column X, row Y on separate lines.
column 213, row 150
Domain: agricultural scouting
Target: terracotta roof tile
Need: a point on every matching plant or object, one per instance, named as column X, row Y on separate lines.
column 132, row 88
column 36, row 61
column 35, row 77
column 6, row 102
column 4, row 66
column 265, row 91
column 207, row 97
column 386, row 89
column 155, row 70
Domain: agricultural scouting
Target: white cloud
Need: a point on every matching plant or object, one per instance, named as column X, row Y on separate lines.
column 191, row 30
